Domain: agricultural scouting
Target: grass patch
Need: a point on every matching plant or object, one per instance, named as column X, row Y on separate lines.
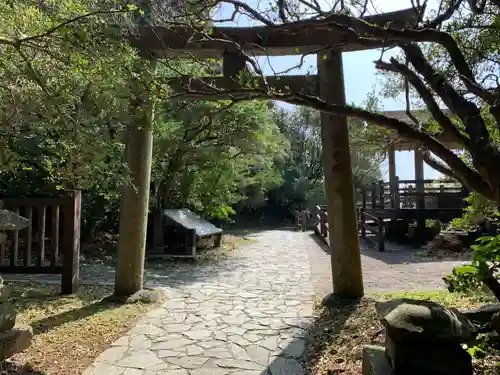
column 445, row 298
column 70, row 331
column 340, row 332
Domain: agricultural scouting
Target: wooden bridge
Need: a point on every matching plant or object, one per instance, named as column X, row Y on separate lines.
column 401, row 201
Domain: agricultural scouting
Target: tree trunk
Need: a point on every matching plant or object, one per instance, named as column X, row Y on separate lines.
column 134, row 209
column 343, row 227
column 492, row 283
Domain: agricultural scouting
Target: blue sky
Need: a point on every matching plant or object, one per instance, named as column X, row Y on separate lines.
column 359, row 75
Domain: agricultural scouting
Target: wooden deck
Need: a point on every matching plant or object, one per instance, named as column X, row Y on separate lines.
column 404, row 201
column 410, row 214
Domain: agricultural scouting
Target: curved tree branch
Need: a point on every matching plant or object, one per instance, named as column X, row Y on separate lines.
column 468, row 112
column 426, row 95
column 437, row 165
column 467, row 175
column 477, row 6
column 464, row 173
column 446, row 15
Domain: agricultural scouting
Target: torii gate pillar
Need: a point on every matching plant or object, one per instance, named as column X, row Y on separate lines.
column 342, row 220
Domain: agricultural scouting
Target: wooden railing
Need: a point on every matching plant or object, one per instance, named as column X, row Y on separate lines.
column 322, row 222
column 301, row 220
column 50, row 244
column 377, row 228
column 412, row 194
column 402, row 194
column 368, row 223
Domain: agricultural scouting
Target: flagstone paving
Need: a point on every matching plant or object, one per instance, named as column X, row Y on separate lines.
column 245, row 315
column 248, row 315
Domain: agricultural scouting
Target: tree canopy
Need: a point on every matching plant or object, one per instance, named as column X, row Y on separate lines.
column 303, row 171
column 65, row 89
column 439, row 61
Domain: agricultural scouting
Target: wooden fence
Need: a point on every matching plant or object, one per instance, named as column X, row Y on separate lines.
column 375, row 203
column 375, row 226
column 50, row 244
column 412, row 194
column 368, row 223
column 322, row 223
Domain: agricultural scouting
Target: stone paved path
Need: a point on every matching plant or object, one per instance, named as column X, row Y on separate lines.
column 247, row 316
column 397, row 269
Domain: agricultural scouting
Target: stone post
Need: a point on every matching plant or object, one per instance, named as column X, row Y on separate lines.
column 343, row 225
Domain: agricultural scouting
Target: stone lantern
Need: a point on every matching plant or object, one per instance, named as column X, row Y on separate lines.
column 422, row 337
column 13, row 338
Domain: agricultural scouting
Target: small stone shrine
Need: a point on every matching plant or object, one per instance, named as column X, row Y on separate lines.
column 13, row 338
column 422, row 337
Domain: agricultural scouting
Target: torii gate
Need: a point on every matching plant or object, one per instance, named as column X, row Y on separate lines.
column 289, row 39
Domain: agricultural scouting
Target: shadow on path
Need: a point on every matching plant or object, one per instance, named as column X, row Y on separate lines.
column 396, row 253
column 320, row 243
column 391, row 271
column 54, row 321
column 402, row 254
column 305, row 351
column 158, row 274
column 9, row 368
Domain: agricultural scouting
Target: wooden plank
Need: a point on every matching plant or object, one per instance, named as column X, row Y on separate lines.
column 55, row 235
column 372, row 222
column 362, row 220
column 3, row 250
column 42, row 212
column 14, row 255
column 71, row 243
column 430, row 194
column 28, row 237
column 31, row 270
column 295, row 38
column 414, row 214
column 429, row 181
column 10, row 201
column 72, row 201
column 381, row 234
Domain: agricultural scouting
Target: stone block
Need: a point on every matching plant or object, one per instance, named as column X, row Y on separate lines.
column 483, row 314
column 427, row 357
column 14, row 341
column 375, row 361
column 7, row 317
column 416, row 320
column 4, row 290
column 423, row 337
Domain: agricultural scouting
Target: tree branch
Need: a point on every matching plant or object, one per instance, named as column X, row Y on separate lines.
column 437, row 165
column 467, row 111
column 467, row 175
column 464, row 173
column 251, row 11
column 73, row 20
column 426, row 95
column 8, row 40
column 438, row 21
column 364, row 31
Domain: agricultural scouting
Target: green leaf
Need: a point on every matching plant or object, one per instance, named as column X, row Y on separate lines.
column 485, row 239
column 461, row 270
